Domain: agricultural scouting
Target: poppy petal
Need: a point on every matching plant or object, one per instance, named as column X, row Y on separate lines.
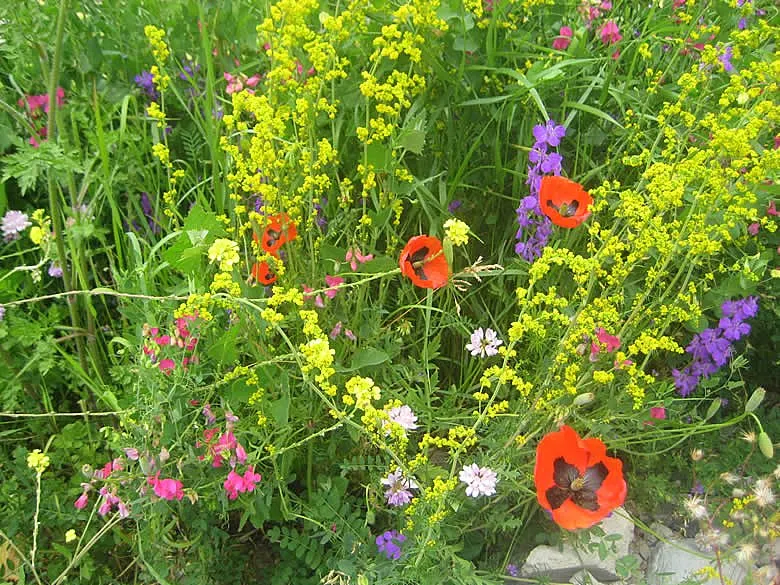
column 262, row 273
column 576, row 480
column 422, row 261
column 564, row 201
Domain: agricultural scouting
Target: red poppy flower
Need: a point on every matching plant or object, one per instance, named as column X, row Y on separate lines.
column 575, row 479
column 423, row 261
column 278, row 230
column 563, row 201
column 262, row 273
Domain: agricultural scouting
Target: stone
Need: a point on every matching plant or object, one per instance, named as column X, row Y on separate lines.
column 678, row 560
column 583, row 578
column 561, row 565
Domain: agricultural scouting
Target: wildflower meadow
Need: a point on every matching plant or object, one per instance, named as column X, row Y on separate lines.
column 370, row 292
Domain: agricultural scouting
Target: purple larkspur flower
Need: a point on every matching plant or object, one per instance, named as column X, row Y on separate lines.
column 535, row 228
column 511, row 570
column 733, row 328
column 551, row 133
column 145, row 81
column 742, row 309
column 712, row 348
column 389, row 542
column 454, row 205
column 725, row 59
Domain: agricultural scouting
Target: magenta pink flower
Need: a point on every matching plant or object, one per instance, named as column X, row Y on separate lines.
column 658, row 412
column 753, row 228
column 81, row 502
column 167, row 366
column 236, row 484
column 610, row 33
column 563, row 40
column 611, row 341
column 167, row 489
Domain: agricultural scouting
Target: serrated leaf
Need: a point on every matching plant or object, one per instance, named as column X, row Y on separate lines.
column 412, row 140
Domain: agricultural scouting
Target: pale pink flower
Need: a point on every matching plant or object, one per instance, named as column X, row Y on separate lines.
column 354, row 255
column 753, row 228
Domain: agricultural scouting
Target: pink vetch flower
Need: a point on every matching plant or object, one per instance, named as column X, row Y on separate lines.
column 81, row 501
column 332, row 282
column 307, row 294
column 166, row 366
column 110, row 499
column 772, row 209
column 236, row 484
column 753, row 228
column 658, row 412
column 563, row 40
column 131, row 453
column 334, row 333
column 610, row 33
column 354, row 255
column 167, row 489
column 611, row 343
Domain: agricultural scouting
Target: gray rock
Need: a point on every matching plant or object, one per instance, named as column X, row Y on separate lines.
column 679, row 560
column 561, row 565
column 583, row 578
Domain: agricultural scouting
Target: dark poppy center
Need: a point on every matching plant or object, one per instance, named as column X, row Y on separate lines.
column 567, row 209
column 417, row 261
column 272, row 237
column 580, row 488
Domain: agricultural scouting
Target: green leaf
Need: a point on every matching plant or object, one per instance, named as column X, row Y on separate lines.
column 225, row 349
column 412, row 140
column 368, row 357
column 280, row 409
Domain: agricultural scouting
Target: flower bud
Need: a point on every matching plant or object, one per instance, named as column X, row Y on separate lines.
column 765, row 445
column 755, row 399
column 583, row 399
column 697, row 454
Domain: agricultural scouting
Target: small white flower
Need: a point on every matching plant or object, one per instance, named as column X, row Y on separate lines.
column 14, row 223
column 764, row 494
column 484, row 343
column 695, row 508
column 729, row 477
column 402, row 416
column 480, row 481
column 747, row 552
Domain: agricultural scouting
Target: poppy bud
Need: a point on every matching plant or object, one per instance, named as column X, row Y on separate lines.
column 755, row 399
column 765, row 445
column 697, row 454
column 583, row 399
column 714, row 407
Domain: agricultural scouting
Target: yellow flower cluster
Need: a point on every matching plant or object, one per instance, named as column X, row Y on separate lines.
column 156, row 38
column 153, row 111
column 457, row 231
column 37, row 461
column 317, row 353
column 225, row 252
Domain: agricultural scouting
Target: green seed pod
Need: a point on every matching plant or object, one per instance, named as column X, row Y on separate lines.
column 765, row 445
column 755, row 399
column 583, row 399
column 714, row 407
